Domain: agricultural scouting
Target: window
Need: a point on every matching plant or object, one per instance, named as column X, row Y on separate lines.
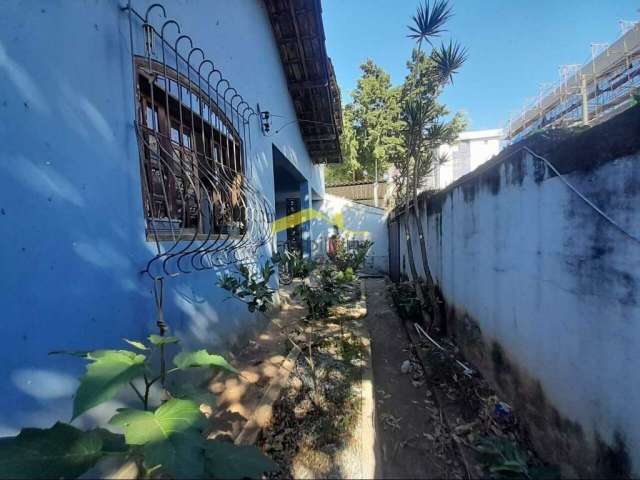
column 192, row 159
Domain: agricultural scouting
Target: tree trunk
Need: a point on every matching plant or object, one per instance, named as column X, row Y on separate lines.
column 415, row 278
column 417, row 215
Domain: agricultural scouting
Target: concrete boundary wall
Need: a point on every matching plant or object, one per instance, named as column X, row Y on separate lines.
column 542, row 292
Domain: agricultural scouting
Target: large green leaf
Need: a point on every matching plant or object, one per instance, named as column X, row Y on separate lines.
column 226, row 460
column 112, row 442
column 175, row 416
column 201, row 358
column 189, row 392
column 158, row 340
column 181, row 454
column 61, row 451
column 108, row 373
column 171, row 436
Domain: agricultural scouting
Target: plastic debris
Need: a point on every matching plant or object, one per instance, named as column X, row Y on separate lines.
column 405, row 367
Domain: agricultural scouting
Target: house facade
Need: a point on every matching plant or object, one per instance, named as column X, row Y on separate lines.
column 364, row 192
column 471, row 150
column 145, row 150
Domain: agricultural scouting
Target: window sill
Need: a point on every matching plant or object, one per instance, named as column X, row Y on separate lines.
column 187, row 237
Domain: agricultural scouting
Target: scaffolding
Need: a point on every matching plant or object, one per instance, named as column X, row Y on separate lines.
column 588, row 93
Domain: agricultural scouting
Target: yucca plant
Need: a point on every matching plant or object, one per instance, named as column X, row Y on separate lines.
column 429, row 21
column 449, row 59
column 425, row 132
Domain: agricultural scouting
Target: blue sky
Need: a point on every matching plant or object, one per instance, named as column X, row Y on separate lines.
column 514, row 45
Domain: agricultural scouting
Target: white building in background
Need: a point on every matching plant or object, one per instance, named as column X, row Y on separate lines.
column 471, row 150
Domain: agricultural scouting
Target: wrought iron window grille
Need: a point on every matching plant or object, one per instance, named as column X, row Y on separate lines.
column 194, row 137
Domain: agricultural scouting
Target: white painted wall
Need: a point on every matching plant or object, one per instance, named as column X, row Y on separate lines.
column 554, row 283
column 483, row 150
column 361, row 222
column 481, row 144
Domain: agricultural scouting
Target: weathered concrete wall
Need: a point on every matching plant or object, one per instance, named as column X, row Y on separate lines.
column 543, row 293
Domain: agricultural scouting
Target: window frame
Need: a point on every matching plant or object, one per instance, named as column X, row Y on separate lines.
column 217, row 142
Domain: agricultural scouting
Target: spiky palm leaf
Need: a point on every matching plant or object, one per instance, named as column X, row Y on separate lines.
column 441, row 157
column 429, row 20
column 436, row 132
column 415, row 115
column 448, row 59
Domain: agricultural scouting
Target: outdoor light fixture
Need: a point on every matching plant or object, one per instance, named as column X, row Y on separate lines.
column 265, row 120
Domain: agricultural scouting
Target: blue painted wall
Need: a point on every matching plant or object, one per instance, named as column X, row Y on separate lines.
column 71, row 217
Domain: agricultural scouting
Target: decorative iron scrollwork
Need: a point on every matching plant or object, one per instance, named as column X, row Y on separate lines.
column 194, row 136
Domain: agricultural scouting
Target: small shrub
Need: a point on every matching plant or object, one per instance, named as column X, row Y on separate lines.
column 317, row 299
column 406, row 302
column 344, row 258
column 301, row 267
column 328, row 292
column 249, row 288
column 298, row 266
column 502, row 458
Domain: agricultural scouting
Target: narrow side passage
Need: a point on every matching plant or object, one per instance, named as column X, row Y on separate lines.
column 435, row 416
column 402, row 421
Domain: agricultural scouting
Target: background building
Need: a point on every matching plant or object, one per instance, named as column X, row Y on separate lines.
column 587, row 93
column 363, row 192
column 472, row 149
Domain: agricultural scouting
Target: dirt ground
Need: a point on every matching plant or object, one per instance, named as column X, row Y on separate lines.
column 259, row 360
column 402, row 421
column 431, row 413
column 312, row 431
column 436, row 416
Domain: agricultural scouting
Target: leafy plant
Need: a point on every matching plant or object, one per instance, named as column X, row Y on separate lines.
column 360, row 254
column 329, row 290
column 167, row 439
column 429, row 21
column 249, row 288
column 504, row 459
column 406, row 302
column 317, row 299
column 346, row 277
column 298, row 265
column 425, row 131
column 344, row 258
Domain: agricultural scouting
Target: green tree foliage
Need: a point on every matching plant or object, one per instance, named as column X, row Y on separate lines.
column 426, row 127
column 372, row 127
column 350, row 166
